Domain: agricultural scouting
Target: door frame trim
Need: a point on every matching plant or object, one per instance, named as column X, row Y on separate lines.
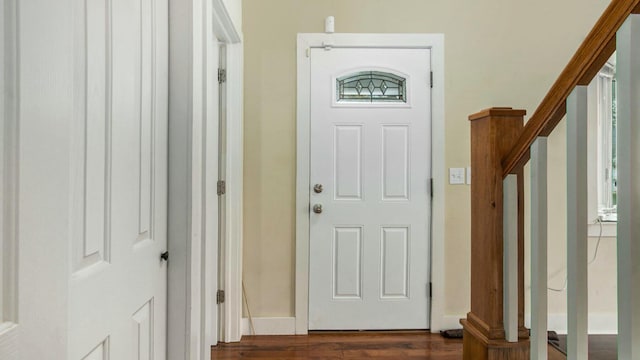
column 305, row 42
column 231, row 258
column 195, row 29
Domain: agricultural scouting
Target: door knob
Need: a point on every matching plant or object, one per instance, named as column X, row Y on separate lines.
column 317, row 188
column 317, row 208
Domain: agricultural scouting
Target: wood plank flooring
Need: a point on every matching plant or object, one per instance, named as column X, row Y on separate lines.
column 601, row 347
column 343, row 345
column 375, row 345
column 555, row 354
column 348, row 345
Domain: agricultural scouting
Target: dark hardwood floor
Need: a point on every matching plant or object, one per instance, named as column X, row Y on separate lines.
column 376, row 345
column 343, row 345
column 601, row 347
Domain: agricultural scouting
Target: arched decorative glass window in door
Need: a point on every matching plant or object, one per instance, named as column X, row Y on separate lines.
column 371, row 86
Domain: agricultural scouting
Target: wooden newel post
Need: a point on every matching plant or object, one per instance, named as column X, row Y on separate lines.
column 493, row 133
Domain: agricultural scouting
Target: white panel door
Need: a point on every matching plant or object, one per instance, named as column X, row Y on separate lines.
column 117, row 290
column 369, row 245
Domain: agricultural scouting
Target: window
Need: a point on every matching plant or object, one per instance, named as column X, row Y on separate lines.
column 371, row 86
column 602, row 145
column 606, row 133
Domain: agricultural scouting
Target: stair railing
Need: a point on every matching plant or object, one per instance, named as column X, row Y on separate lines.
column 500, row 147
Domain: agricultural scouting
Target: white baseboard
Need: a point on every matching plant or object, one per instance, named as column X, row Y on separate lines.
column 270, row 326
column 287, row 325
column 599, row 323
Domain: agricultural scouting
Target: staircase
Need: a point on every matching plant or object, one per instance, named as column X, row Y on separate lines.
column 500, row 147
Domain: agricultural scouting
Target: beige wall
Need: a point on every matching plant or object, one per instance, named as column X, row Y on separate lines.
column 498, row 53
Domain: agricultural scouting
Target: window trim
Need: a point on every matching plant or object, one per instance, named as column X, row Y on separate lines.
column 595, row 145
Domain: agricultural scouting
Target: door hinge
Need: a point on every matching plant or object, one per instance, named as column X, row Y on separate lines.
column 220, row 297
column 431, row 79
column 222, row 187
column 222, row 76
column 430, row 291
column 431, row 187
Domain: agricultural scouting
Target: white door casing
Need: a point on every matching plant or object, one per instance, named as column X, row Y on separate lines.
column 192, row 176
column 308, row 42
column 117, row 290
column 369, row 248
column 221, row 183
column 230, row 105
column 231, row 271
column 197, row 27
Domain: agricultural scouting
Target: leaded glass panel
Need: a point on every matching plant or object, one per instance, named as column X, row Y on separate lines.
column 371, row 86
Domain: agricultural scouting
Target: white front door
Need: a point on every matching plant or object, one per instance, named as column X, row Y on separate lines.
column 370, row 172
column 117, row 288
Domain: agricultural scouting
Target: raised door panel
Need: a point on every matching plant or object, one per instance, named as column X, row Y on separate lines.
column 92, row 177
column 143, row 332
column 146, row 114
column 9, row 345
column 92, row 122
column 395, row 162
column 100, row 352
column 347, row 162
column 347, row 262
column 394, row 263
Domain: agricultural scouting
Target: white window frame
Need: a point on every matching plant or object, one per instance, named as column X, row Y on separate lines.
column 601, row 210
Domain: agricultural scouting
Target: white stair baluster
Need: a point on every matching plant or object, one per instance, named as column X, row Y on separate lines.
column 539, row 249
column 577, row 242
column 628, row 198
column 510, row 257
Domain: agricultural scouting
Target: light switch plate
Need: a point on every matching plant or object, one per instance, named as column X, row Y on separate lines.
column 456, row 176
column 468, row 175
